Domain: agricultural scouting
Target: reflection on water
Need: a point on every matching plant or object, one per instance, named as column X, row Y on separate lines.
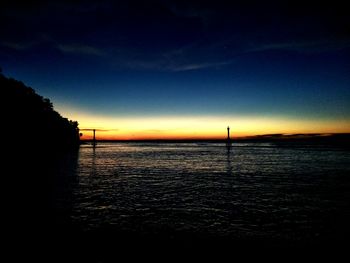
column 248, row 191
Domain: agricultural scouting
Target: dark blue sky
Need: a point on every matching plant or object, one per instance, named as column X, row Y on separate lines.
column 183, row 58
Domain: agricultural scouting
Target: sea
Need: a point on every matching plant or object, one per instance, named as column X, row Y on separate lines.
column 261, row 193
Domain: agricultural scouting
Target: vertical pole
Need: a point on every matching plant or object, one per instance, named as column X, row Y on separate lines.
column 228, row 142
column 94, row 139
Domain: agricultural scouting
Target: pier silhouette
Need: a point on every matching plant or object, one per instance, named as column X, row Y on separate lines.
column 94, row 130
column 93, row 136
column 94, row 140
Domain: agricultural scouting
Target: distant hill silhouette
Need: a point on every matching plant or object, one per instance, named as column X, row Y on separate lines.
column 31, row 120
column 334, row 139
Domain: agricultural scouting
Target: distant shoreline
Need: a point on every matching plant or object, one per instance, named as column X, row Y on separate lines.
column 337, row 138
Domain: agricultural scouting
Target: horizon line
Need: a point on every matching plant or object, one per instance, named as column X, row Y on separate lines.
column 259, row 136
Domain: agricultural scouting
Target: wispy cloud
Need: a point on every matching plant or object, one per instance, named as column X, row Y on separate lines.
column 65, row 48
column 18, row 46
column 80, row 49
column 304, row 46
column 172, row 66
column 195, row 66
column 185, row 58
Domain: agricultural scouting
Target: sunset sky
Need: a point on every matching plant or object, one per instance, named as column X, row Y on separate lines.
column 184, row 69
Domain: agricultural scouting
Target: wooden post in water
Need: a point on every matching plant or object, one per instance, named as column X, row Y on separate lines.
column 94, row 138
column 228, row 140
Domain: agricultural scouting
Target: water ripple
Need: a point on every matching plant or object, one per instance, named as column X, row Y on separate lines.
column 254, row 190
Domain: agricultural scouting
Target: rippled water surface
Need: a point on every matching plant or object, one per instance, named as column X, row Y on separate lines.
column 252, row 190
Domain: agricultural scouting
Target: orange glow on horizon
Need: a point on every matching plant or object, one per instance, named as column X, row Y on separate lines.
column 200, row 128
column 197, row 127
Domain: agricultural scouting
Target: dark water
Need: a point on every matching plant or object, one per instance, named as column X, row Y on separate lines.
column 295, row 194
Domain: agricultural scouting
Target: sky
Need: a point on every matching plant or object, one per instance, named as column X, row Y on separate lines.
column 184, row 69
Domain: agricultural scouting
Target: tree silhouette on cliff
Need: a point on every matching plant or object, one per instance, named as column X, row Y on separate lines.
column 31, row 119
column 36, row 144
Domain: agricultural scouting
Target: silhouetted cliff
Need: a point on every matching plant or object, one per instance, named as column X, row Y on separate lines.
column 37, row 142
column 31, row 120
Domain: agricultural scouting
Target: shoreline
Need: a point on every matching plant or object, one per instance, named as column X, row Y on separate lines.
column 337, row 139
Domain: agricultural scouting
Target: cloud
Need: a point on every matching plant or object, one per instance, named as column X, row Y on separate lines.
column 189, row 57
column 304, row 46
column 97, row 129
column 81, row 49
column 78, row 49
column 170, row 65
column 195, row 66
column 18, row 46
